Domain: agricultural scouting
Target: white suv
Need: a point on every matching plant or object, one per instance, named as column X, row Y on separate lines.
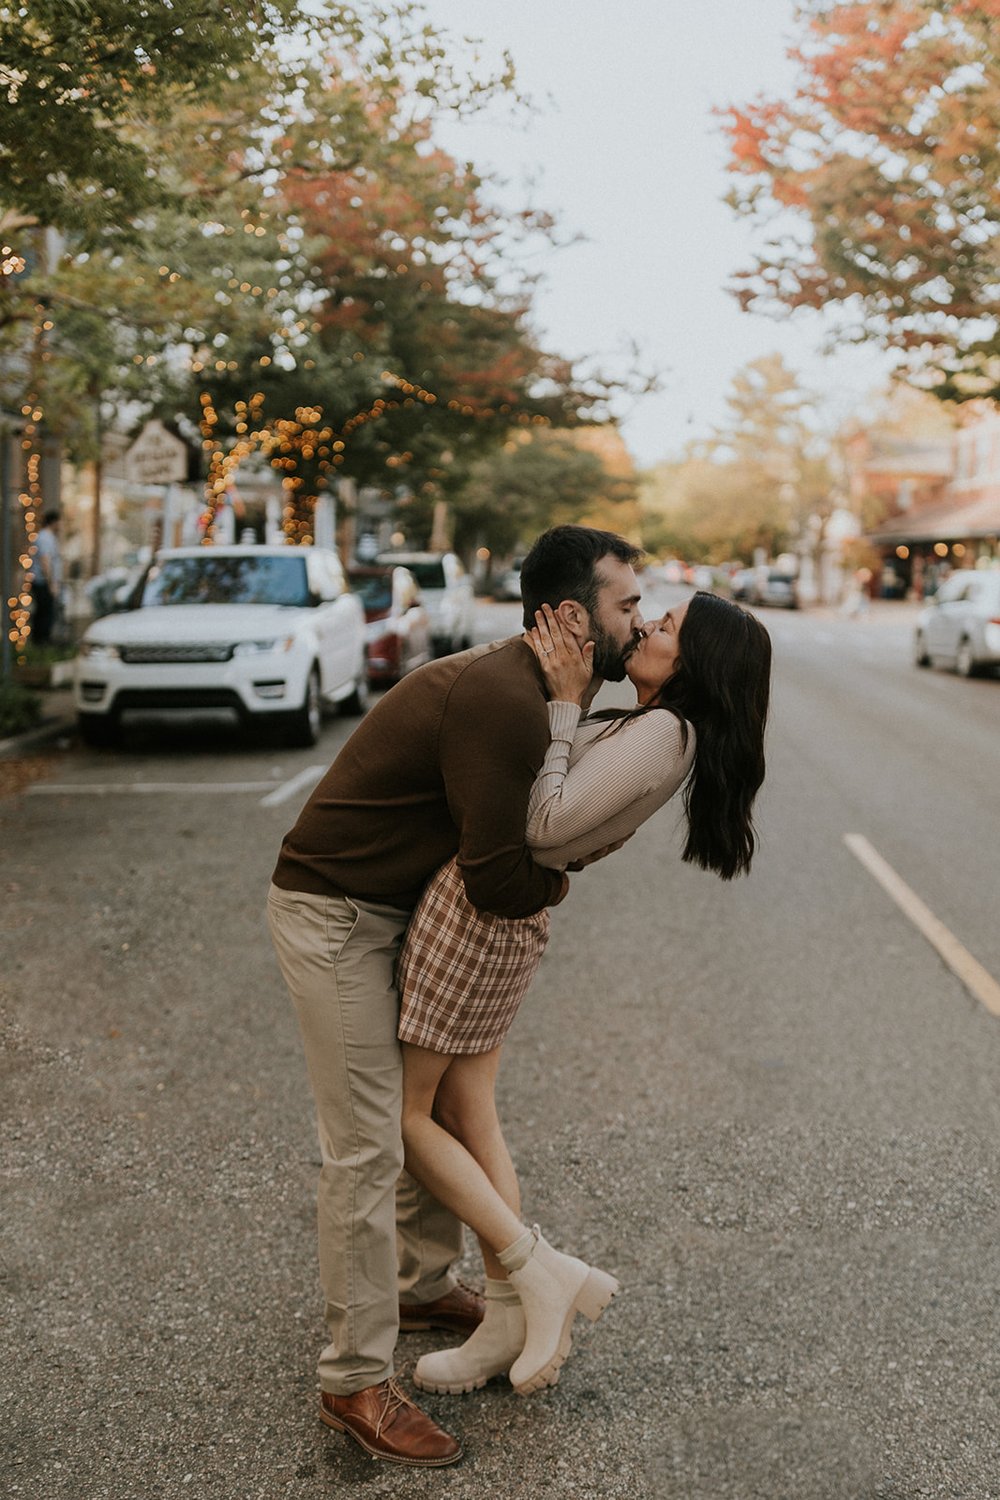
column 257, row 634
column 446, row 589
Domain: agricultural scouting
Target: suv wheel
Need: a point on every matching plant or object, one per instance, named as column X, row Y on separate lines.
column 305, row 722
column 357, row 702
column 920, row 656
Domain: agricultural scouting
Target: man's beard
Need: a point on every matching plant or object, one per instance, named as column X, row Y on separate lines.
column 609, row 656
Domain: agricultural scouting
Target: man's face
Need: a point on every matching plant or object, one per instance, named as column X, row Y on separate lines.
column 616, row 621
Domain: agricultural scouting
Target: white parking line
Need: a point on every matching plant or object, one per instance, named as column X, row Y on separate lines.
column 288, row 789
column 140, row 788
column 980, row 984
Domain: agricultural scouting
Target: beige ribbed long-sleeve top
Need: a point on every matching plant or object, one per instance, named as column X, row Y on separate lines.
column 596, row 786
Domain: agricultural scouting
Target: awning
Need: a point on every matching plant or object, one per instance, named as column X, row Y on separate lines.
column 944, row 523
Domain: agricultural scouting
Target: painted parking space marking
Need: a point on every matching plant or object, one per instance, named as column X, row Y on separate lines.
column 296, row 784
column 141, row 788
column 980, row 984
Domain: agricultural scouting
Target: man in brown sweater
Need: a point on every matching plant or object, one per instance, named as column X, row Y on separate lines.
column 442, row 766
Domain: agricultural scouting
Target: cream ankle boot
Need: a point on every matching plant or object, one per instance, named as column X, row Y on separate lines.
column 490, row 1351
column 553, row 1288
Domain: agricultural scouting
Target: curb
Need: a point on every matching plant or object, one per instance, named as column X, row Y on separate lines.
column 50, row 728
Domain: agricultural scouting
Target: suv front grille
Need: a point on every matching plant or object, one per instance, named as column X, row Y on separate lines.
column 167, row 655
column 176, row 698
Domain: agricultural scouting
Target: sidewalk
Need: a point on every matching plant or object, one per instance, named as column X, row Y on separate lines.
column 58, row 718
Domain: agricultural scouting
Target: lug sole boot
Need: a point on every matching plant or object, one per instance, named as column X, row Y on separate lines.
column 553, row 1288
column 488, row 1352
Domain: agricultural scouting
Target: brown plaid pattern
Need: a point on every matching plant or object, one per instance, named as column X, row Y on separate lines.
column 462, row 973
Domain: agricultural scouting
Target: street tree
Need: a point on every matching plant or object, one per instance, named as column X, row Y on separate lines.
column 215, row 281
column 712, row 510
column 91, row 90
column 307, row 246
column 764, row 479
column 877, row 182
column 536, row 480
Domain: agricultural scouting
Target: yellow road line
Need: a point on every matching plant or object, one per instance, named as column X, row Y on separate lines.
column 980, row 984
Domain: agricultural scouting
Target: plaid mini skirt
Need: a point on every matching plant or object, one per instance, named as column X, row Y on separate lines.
column 462, row 973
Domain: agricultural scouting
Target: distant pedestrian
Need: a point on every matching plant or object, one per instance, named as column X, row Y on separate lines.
column 45, row 579
column 859, row 595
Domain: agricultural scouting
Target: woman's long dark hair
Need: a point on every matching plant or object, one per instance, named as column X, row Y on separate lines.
column 722, row 685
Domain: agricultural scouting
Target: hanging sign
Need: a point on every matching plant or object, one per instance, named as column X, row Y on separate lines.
column 156, row 457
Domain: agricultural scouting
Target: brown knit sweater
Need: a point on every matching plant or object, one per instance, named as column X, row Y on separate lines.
column 443, row 764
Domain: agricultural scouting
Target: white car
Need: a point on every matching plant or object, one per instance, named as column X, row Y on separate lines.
column 960, row 626
column 446, row 589
column 259, row 635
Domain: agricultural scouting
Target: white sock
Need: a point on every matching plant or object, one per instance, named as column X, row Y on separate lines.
column 514, row 1256
column 500, row 1291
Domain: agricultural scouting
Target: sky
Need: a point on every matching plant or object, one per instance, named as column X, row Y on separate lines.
column 623, row 148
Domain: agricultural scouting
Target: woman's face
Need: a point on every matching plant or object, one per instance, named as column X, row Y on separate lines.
column 658, row 653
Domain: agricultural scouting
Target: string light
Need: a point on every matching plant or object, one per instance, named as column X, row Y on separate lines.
column 30, row 500
column 11, row 264
column 289, row 443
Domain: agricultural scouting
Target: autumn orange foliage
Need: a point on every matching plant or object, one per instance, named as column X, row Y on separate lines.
column 878, row 182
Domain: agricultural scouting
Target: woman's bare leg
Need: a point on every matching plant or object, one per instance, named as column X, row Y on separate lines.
column 466, row 1107
column 460, row 1156
column 455, row 1147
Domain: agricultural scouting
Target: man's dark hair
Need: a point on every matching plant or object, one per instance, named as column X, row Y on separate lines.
column 50, row 516
column 561, row 566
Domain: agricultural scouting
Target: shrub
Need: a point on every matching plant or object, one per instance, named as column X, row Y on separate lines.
column 20, row 708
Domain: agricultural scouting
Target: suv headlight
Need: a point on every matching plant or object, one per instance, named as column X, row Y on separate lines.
column 99, row 651
column 259, row 648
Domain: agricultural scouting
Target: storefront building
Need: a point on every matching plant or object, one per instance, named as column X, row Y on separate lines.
column 920, row 544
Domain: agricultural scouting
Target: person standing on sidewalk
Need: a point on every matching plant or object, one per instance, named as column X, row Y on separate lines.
column 45, row 579
column 443, row 766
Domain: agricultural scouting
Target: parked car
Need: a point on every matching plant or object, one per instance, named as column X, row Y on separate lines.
column 741, row 584
column 259, row 635
column 779, row 589
column 446, row 590
column 508, row 585
column 960, row 626
column 766, row 586
column 399, row 627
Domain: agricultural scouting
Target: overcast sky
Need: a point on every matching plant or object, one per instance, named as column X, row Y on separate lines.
column 625, row 150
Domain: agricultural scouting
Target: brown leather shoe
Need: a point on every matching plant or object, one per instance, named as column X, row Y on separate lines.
column 388, row 1425
column 458, row 1311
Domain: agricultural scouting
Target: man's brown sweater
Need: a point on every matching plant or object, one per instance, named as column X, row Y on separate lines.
column 444, row 764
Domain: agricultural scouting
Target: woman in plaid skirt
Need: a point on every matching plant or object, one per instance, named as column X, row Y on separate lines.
column 702, row 677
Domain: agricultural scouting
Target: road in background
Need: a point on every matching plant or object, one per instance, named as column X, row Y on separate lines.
column 768, row 1107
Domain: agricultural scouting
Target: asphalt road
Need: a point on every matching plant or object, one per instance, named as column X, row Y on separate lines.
column 769, row 1108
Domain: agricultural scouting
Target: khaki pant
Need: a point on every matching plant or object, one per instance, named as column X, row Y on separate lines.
column 381, row 1235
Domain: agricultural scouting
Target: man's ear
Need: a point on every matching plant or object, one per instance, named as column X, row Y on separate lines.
column 574, row 618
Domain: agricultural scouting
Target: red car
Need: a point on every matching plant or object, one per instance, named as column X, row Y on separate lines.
column 398, row 626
